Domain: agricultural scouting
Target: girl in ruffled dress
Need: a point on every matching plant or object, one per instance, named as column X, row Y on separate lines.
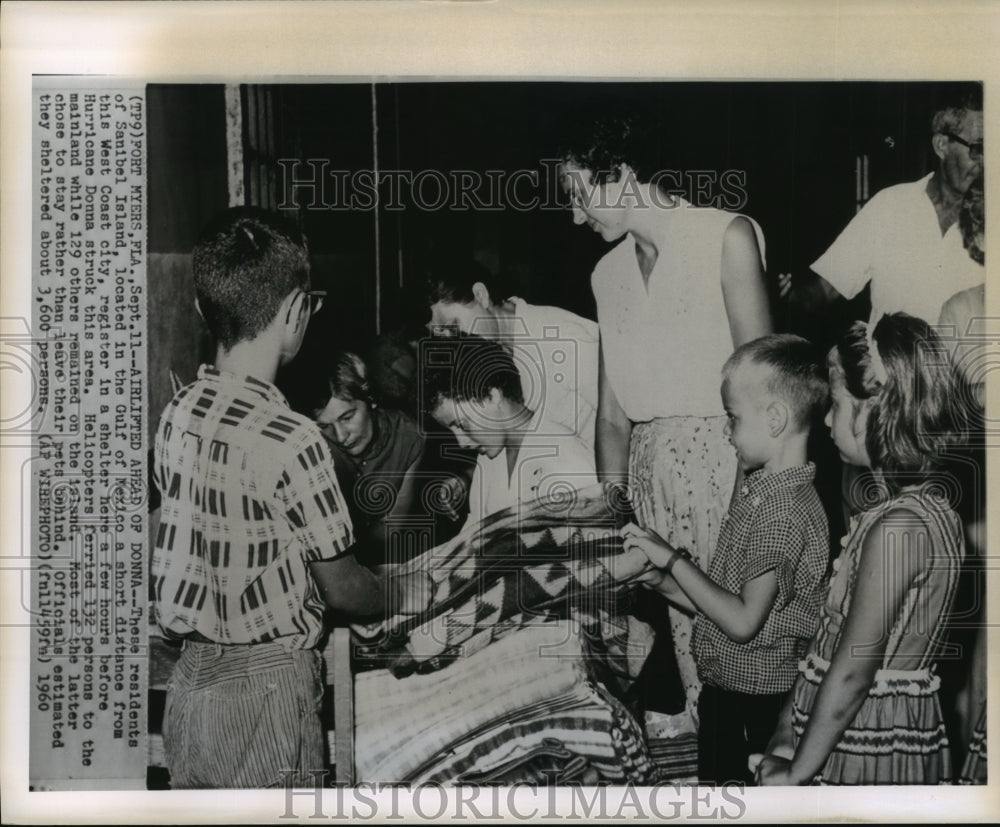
column 865, row 707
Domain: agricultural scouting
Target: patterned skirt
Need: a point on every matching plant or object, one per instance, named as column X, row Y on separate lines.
column 974, row 768
column 896, row 737
column 683, row 470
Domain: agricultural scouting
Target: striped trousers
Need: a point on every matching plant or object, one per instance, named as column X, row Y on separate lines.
column 243, row 717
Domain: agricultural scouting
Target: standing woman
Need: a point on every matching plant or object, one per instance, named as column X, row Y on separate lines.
column 681, row 290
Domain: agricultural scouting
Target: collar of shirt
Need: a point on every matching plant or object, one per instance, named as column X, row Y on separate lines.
column 759, row 485
column 266, row 390
column 381, row 432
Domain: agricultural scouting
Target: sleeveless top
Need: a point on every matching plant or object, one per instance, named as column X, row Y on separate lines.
column 918, row 633
column 664, row 349
column 897, row 736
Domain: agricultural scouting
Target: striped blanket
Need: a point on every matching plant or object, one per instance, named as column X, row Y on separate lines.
column 516, row 670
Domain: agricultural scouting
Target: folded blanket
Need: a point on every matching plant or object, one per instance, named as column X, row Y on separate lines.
column 489, row 710
column 402, row 723
column 583, row 735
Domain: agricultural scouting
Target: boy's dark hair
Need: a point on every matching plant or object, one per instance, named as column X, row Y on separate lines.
column 797, row 373
column 466, row 367
column 451, row 281
column 245, row 263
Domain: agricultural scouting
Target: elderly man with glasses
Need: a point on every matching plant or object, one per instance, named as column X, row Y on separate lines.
column 906, row 241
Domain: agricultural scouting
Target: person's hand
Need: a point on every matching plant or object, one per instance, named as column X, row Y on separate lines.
column 619, row 499
column 630, row 565
column 414, row 590
column 450, row 493
column 785, row 285
column 656, row 549
column 781, row 745
column 774, row 771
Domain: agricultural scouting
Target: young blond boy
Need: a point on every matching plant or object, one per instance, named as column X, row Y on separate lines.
column 757, row 607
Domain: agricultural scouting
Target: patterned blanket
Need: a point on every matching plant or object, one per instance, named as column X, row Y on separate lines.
column 492, row 713
column 517, row 669
column 547, row 560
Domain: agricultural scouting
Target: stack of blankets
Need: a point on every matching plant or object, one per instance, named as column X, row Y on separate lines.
column 518, row 668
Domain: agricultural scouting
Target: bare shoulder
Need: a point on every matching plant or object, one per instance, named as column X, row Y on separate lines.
column 739, row 242
column 898, row 538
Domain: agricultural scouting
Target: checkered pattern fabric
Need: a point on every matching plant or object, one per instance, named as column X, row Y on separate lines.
column 549, row 559
column 776, row 523
column 249, row 500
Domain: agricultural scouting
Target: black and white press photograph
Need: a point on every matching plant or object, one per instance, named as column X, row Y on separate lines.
column 496, row 410
column 566, row 432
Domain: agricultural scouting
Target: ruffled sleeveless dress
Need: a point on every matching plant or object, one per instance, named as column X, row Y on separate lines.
column 898, row 734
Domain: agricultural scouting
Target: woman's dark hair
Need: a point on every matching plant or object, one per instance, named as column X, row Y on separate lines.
column 451, row 281
column 467, row 367
column 918, row 403
column 603, row 144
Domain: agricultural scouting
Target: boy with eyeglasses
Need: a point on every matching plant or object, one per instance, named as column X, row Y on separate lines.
column 255, row 539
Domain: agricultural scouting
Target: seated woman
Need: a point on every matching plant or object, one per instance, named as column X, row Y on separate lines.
column 376, row 452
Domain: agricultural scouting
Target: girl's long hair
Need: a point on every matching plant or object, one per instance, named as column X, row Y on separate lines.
column 919, row 402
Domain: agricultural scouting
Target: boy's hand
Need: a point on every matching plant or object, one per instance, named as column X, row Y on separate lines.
column 656, row 549
column 630, row 565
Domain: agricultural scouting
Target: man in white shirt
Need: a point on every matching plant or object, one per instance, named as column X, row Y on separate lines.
column 555, row 351
column 906, row 241
column 472, row 387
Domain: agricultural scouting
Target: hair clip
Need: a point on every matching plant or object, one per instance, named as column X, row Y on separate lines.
column 874, row 357
column 246, row 230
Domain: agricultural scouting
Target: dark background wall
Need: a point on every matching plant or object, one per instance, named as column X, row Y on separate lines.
column 187, row 186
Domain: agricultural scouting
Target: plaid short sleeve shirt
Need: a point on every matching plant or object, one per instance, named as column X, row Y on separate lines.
column 248, row 501
column 775, row 523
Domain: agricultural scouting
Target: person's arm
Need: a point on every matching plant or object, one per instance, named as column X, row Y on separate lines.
column 889, row 563
column 613, row 431
column 402, row 507
column 318, row 513
column 743, row 287
column 662, row 582
column 407, row 493
column 476, row 503
column 782, row 743
column 355, row 590
column 740, row 616
column 349, row 587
